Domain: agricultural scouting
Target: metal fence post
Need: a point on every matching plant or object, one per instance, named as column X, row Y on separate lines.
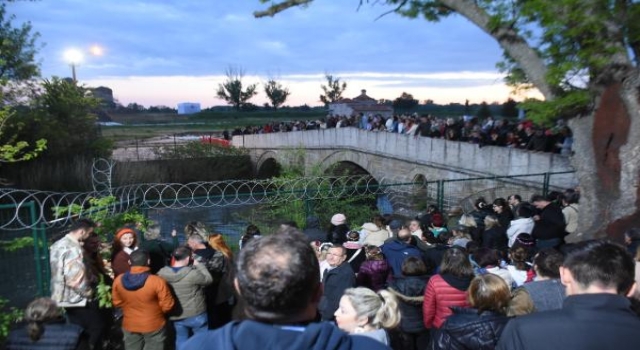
column 36, row 249
column 440, row 194
column 545, row 184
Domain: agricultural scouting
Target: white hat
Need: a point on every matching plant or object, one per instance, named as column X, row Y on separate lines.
column 338, row 219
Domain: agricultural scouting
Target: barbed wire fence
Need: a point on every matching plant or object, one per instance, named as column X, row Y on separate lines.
column 179, row 196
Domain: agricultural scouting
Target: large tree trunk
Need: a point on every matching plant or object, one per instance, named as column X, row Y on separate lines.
column 607, row 161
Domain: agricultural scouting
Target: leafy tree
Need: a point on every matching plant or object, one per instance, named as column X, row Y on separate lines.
column 18, row 67
column 333, row 90
column 17, row 64
column 510, row 109
column 17, row 49
column 63, row 114
column 405, row 101
column 16, row 151
column 583, row 57
column 232, row 91
column 483, row 111
column 276, row 93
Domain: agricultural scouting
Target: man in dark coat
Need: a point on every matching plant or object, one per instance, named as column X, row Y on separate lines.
column 279, row 278
column 335, row 281
column 599, row 278
column 549, row 225
column 398, row 249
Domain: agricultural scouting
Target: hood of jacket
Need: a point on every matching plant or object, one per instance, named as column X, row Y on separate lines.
column 459, row 283
column 255, row 335
column 397, row 245
column 134, row 281
column 409, row 289
column 371, row 227
column 172, row 275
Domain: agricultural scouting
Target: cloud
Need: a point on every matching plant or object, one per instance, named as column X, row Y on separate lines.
column 184, row 40
column 274, row 46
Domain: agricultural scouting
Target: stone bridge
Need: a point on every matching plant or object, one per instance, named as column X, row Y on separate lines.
column 394, row 158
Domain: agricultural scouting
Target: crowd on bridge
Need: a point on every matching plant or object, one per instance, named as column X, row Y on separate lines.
column 508, row 275
column 521, row 134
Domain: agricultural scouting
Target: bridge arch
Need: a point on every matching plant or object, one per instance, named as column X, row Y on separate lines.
column 349, row 160
column 267, row 165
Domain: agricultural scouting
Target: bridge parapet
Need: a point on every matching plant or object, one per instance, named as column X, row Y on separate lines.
column 452, row 155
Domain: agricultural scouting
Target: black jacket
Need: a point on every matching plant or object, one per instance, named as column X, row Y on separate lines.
column 495, row 238
column 335, row 282
column 337, row 234
column 585, row 322
column 505, row 218
column 409, row 291
column 434, row 255
column 313, row 231
column 57, row 335
column 466, row 329
column 551, row 224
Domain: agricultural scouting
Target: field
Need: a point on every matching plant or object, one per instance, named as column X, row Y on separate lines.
column 140, row 126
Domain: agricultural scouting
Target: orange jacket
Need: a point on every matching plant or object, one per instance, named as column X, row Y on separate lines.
column 144, row 301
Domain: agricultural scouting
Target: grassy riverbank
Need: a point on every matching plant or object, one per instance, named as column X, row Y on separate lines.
column 142, row 126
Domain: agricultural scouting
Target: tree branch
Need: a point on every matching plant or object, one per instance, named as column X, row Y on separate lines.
column 279, row 7
column 404, row 2
column 513, row 43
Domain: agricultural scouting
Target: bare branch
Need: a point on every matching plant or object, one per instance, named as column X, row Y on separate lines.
column 404, row 2
column 279, row 7
column 513, row 43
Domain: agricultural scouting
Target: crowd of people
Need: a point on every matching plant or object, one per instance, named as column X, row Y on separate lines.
column 508, row 275
column 522, row 134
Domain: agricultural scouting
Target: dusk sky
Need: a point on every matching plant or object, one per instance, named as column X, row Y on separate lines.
column 164, row 52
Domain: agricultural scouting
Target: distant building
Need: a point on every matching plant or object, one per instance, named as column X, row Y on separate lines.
column 360, row 104
column 188, row 108
column 105, row 95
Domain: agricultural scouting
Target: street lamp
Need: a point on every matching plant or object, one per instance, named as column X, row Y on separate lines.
column 74, row 57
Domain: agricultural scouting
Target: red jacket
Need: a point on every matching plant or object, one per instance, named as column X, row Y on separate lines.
column 439, row 297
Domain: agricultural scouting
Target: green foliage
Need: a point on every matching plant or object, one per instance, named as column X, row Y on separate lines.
column 484, row 111
column 63, row 114
column 312, row 199
column 101, row 210
column 509, row 109
column 103, row 292
column 333, row 90
column 16, row 244
column 276, row 93
column 17, row 49
column 431, row 10
column 405, row 102
column 545, row 112
column 8, row 316
column 232, row 90
column 196, row 149
column 17, row 151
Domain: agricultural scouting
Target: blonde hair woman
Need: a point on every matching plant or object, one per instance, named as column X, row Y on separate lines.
column 365, row 312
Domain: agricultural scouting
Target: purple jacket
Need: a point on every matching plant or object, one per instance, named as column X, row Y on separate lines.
column 373, row 274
